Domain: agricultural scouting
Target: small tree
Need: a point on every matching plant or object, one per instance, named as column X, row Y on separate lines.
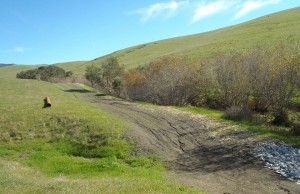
column 93, row 74
column 111, row 73
column 107, row 76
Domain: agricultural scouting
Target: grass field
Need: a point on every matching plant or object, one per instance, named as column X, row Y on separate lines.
column 77, row 67
column 73, row 147
column 263, row 31
column 68, row 148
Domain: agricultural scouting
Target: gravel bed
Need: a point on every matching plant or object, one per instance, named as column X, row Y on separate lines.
column 283, row 159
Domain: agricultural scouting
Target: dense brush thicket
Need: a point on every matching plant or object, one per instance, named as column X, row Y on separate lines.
column 258, row 80
column 167, row 81
column 45, row 73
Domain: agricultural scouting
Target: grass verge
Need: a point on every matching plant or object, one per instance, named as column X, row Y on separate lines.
column 71, row 147
column 256, row 125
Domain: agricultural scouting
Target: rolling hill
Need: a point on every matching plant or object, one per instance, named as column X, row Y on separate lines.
column 75, row 146
column 263, row 31
column 4, row 65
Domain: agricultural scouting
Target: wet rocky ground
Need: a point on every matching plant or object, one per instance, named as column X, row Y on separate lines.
column 283, row 159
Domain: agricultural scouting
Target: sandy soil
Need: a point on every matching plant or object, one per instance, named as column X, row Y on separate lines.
column 200, row 152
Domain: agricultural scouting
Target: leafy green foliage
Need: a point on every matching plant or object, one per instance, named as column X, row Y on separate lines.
column 111, row 69
column 44, row 73
column 93, row 74
column 107, row 76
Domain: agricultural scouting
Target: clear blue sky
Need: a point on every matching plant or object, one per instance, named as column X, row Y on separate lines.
column 52, row 31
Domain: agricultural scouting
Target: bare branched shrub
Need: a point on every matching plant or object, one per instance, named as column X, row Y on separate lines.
column 274, row 77
column 134, row 81
column 76, row 78
column 166, row 81
column 262, row 79
column 284, row 77
column 231, row 74
column 238, row 113
column 256, row 60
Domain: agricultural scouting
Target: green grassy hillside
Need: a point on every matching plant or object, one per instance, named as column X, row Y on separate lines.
column 11, row 71
column 263, row 31
column 74, row 66
column 4, row 65
column 71, row 147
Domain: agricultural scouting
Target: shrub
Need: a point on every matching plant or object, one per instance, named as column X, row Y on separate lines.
column 93, row 74
column 45, row 73
column 277, row 79
column 106, row 76
column 281, row 118
column 238, row 113
column 167, row 81
column 231, row 75
column 295, row 128
column 295, row 103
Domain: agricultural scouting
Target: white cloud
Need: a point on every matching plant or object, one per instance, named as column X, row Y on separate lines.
column 204, row 10
column 249, row 6
column 156, row 9
column 18, row 49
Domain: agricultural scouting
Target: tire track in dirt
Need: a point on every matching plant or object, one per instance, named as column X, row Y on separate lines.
column 200, row 151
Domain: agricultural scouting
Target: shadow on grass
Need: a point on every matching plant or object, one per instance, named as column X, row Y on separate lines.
column 100, row 94
column 46, row 104
column 78, row 91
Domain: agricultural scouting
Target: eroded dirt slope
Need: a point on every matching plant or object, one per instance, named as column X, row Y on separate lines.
column 200, row 151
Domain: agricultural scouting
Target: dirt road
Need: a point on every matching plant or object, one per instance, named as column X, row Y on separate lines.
column 200, row 151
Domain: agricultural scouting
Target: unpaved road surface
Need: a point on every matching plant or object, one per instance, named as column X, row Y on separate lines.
column 201, row 152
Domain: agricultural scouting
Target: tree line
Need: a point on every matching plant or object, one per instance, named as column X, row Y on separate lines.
column 261, row 80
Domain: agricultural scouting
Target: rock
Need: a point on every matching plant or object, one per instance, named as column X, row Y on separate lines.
column 283, row 159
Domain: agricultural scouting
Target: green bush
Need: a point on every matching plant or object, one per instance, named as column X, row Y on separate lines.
column 44, row 73
column 295, row 103
column 107, row 76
